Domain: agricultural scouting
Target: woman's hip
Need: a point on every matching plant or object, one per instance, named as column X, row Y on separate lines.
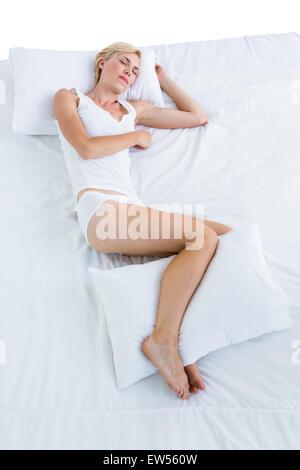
column 91, row 201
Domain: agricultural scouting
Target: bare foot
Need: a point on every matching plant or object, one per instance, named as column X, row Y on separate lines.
column 194, row 377
column 167, row 360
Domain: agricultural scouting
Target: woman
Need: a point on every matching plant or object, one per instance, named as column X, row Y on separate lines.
column 98, row 129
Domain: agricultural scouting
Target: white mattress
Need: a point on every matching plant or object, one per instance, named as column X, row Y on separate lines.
column 58, row 388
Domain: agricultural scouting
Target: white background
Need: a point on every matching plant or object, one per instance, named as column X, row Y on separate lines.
column 90, row 25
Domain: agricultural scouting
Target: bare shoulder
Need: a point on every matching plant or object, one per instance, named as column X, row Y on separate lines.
column 65, row 91
column 65, row 97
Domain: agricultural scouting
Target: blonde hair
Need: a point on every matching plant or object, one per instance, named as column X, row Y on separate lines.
column 108, row 52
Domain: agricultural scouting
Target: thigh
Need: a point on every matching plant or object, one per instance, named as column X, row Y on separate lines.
column 132, row 229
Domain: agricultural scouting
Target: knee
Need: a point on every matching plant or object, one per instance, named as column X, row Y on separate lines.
column 211, row 239
column 205, row 238
column 228, row 229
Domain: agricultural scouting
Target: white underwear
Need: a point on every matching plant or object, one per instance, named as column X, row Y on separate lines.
column 90, row 202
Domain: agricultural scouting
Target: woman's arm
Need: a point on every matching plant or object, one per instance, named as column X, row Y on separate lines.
column 178, row 95
column 75, row 133
column 182, row 99
column 101, row 146
column 189, row 114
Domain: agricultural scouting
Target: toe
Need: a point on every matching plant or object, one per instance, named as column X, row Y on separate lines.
column 187, row 390
column 201, row 384
column 183, row 392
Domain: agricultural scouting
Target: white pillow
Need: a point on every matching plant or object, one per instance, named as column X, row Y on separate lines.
column 218, row 93
column 38, row 74
column 237, row 299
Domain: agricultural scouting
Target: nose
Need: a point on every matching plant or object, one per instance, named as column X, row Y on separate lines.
column 127, row 74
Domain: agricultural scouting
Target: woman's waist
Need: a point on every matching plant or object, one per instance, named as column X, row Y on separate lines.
column 105, row 191
column 98, row 191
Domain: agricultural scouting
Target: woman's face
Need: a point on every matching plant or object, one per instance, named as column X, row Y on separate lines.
column 123, row 64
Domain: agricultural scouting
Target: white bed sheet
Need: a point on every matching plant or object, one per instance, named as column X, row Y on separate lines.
column 58, row 388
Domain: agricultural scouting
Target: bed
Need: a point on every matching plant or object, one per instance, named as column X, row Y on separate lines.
column 58, row 387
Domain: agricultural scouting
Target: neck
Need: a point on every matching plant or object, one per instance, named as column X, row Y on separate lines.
column 103, row 96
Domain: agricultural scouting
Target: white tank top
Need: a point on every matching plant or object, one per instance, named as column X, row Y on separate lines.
column 111, row 172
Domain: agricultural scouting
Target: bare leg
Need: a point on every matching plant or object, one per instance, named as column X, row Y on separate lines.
column 192, row 370
column 179, row 282
column 180, row 279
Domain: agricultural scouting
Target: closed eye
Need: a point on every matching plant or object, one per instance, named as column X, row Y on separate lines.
column 126, row 64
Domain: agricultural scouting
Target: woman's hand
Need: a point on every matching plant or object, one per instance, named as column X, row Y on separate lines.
column 161, row 74
column 143, row 140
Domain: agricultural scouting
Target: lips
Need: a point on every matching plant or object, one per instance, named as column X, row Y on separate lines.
column 123, row 78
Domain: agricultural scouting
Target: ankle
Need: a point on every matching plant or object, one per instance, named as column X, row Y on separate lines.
column 162, row 337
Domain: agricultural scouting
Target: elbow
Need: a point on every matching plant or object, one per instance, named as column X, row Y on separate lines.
column 84, row 151
column 84, row 155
